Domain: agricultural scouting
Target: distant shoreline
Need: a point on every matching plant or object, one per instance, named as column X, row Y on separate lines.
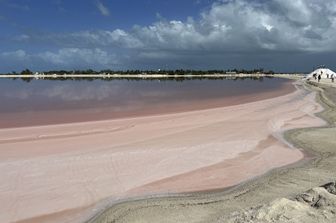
column 147, row 76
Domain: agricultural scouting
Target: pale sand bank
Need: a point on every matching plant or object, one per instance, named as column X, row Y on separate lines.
column 52, row 169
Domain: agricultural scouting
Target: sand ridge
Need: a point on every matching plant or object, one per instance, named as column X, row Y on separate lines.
column 50, row 169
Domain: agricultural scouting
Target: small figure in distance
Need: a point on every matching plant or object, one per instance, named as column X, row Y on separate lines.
column 332, row 78
column 319, row 77
column 314, row 75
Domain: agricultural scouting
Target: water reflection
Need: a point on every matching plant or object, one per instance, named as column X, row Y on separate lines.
column 113, row 98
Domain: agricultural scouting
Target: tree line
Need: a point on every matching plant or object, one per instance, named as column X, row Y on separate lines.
column 149, row 72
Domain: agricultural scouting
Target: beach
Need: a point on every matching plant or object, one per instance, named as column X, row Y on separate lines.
column 70, row 172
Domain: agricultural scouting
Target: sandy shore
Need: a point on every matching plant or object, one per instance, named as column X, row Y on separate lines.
column 144, row 76
column 56, row 173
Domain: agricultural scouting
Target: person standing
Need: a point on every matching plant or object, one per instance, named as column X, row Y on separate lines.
column 319, row 77
column 332, row 78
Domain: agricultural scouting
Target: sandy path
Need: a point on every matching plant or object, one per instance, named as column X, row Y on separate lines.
column 50, row 169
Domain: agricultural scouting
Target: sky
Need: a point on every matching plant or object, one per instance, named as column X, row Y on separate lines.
column 280, row 35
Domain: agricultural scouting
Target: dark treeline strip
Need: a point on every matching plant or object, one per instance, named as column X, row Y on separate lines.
column 179, row 79
column 149, row 72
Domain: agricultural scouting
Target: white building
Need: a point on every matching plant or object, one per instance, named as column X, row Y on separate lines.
column 324, row 72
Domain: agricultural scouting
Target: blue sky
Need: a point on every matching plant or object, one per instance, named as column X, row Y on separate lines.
column 284, row 35
column 68, row 16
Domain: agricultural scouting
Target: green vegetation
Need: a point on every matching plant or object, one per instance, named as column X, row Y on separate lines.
column 151, row 72
column 169, row 75
column 177, row 79
column 26, row 71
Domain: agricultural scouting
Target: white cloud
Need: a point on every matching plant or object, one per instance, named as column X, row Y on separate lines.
column 18, row 54
column 70, row 56
column 228, row 26
column 103, row 9
column 228, row 29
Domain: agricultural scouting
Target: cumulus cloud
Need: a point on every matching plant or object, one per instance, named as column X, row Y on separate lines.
column 18, row 54
column 103, row 9
column 70, row 58
column 229, row 29
column 229, row 25
column 244, row 26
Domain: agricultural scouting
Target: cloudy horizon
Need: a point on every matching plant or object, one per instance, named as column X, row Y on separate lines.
column 280, row 35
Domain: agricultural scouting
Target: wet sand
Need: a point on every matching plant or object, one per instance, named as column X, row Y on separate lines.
column 46, row 170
